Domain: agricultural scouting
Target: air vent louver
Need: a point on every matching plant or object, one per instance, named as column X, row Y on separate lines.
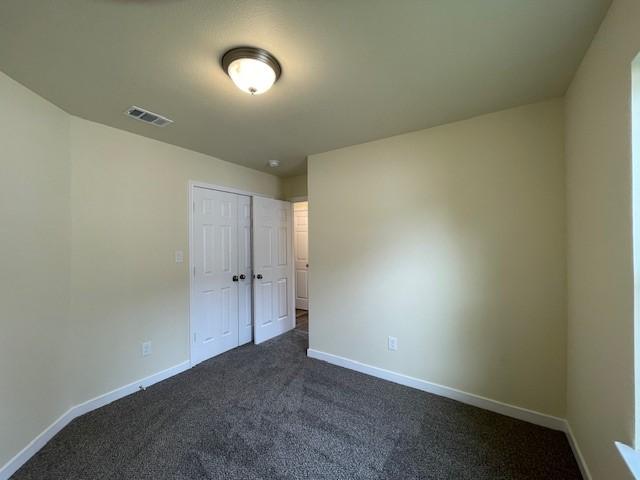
column 148, row 117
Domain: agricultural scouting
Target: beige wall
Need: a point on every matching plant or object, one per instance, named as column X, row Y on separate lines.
column 90, row 218
column 294, row 187
column 600, row 391
column 34, row 271
column 454, row 242
column 129, row 216
column 457, row 247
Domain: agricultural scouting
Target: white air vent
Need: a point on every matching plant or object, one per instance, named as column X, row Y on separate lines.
column 148, row 117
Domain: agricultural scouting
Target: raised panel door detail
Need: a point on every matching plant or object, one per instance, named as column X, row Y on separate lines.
column 226, row 208
column 267, row 247
column 246, row 246
column 225, row 248
column 282, row 246
column 245, row 305
column 208, row 247
column 301, row 218
column 207, row 206
column 283, row 304
column 266, row 301
column 225, row 304
column 302, row 246
column 210, row 314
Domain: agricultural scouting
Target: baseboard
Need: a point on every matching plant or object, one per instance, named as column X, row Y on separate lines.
column 37, row 443
column 520, row 413
column 469, row 398
column 577, row 453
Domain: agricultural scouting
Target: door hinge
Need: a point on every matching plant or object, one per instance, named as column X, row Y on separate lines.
column 194, row 338
column 194, row 270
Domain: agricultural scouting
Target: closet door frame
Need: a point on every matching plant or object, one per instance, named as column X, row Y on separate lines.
column 192, row 184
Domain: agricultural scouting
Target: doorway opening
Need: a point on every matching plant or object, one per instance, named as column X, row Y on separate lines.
column 301, row 264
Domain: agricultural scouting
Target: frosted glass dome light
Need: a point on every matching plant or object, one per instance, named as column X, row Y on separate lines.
column 253, row 70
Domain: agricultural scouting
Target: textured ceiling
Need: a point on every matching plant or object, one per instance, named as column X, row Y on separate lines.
column 353, row 70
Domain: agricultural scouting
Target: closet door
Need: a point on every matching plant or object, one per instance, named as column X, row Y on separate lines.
column 245, row 312
column 273, row 268
column 215, row 291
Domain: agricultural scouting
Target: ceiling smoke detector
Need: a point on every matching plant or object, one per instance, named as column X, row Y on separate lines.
column 274, row 163
column 252, row 69
column 147, row 117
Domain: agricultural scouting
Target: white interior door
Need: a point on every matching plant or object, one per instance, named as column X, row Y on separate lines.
column 273, row 268
column 245, row 312
column 221, row 249
column 301, row 253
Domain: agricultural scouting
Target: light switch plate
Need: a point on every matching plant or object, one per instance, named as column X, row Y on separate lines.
column 179, row 256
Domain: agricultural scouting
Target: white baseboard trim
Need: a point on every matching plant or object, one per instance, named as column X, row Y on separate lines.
column 520, row 413
column 577, row 453
column 37, row 443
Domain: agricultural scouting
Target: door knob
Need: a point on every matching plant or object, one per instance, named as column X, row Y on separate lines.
column 242, row 276
column 259, row 277
column 235, row 278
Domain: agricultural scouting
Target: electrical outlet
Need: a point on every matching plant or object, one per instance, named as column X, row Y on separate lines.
column 146, row 349
column 179, row 256
column 393, row 344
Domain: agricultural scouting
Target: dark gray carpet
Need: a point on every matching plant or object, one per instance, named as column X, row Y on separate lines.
column 269, row 412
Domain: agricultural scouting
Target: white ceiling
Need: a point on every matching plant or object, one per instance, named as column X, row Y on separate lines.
column 353, row 70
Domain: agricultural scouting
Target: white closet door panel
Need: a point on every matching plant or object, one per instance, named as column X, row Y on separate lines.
column 244, row 270
column 215, row 294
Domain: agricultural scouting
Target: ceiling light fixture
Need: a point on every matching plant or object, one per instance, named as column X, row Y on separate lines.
column 274, row 163
column 253, row 70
